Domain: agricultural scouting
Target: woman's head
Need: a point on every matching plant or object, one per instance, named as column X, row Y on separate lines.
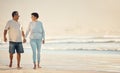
column 34, row 16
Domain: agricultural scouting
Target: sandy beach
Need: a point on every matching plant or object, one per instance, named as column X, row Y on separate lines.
column 81, row 36
column 64, row 61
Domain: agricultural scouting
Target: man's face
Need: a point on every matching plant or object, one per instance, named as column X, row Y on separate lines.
column 16, row 16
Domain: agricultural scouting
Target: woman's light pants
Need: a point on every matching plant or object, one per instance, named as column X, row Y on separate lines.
column 36, row 47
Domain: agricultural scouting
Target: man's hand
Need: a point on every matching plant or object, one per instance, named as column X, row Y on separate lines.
column 43, row 41
column 5, row 39
column 24, row 40
column 5, row 33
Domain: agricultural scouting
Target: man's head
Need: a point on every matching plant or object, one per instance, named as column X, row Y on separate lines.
column 15, row 15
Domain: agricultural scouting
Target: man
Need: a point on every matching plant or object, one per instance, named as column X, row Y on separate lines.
column 15, row 38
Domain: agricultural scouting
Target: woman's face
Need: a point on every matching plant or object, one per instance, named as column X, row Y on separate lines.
column 33, row 18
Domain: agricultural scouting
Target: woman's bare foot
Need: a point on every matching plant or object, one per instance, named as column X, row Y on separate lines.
column 39, row 66
column 34, row 67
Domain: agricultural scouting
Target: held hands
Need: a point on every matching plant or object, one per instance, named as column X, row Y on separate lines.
column 24, row 40
column 43, row 41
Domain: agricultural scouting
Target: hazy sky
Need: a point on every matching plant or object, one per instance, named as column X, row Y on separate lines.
column 67, row 17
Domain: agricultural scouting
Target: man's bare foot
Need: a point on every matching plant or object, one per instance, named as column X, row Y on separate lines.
column 19, row 67
column 10, row 65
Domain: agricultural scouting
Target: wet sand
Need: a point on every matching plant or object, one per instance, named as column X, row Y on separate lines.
column 53, row 61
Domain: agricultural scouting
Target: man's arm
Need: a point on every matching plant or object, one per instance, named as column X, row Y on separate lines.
column 5, row 33
column 24, row 40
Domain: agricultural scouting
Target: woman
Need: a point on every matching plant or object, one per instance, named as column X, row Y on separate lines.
column 37, row 35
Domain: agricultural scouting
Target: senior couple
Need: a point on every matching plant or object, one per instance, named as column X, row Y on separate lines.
column 17, row 37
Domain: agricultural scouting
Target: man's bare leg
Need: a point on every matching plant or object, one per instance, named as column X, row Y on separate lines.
column 11, row 58
column 18, row 60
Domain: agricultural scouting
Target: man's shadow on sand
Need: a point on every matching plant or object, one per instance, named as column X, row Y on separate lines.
column 5, row 67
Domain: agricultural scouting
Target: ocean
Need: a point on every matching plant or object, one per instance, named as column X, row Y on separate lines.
column 78, row 43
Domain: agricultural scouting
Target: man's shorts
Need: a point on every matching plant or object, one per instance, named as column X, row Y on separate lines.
column 15, row 46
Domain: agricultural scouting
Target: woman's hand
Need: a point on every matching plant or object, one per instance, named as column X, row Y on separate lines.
column 43, row 41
